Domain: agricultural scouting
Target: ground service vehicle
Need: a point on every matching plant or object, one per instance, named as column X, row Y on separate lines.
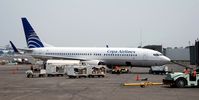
column 158, row 69
column 120, row 70
column 180, row 80
column 58, row 67
column 31, row 74
column 55, row 70
column 77, row 71
column 97, row 70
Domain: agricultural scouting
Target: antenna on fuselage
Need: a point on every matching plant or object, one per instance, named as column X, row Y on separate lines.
column 107, row 46
column 140, row 44
column 140, row 38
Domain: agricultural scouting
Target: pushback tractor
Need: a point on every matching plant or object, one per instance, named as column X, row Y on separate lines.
column 180, row 79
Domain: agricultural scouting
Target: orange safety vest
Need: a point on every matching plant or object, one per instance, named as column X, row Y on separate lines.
column 194, row 73
column 186, row 71
column 117, row 68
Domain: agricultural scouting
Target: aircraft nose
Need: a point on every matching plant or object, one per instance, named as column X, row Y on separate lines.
column 166, row 59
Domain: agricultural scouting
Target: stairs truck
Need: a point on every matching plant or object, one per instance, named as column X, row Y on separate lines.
column 180, row 79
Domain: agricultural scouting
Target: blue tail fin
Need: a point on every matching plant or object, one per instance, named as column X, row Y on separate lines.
column 14, row 48
column 32, row 39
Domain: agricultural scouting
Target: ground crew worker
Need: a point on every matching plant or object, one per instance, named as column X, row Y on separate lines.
column 117, row 69
column 194, row 73
column 186, row 70
column 31, row 67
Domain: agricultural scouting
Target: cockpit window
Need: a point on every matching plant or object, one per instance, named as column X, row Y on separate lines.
column 156, row 54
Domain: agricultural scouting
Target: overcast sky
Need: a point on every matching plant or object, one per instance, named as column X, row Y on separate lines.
column 95, row 23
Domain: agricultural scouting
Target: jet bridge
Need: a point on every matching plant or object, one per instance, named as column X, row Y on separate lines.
column 180, row 64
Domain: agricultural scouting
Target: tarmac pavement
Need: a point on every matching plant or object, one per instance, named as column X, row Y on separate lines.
column 15, row 86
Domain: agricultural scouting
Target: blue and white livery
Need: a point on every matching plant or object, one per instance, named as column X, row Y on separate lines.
column 138, row 57
column 32, row 39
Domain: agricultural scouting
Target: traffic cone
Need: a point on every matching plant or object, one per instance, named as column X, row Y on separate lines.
column 137, row 77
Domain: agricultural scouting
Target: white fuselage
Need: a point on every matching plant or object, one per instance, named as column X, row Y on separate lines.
column 109, row 56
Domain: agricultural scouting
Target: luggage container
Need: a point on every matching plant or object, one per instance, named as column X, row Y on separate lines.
column 55, row 70
column 159, row 70
column 77, row 71
column 58, row 67
column 32, row 74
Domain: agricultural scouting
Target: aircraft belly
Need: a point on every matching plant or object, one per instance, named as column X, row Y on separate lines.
column 115, row 62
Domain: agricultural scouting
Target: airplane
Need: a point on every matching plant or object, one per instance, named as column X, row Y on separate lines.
column 14, row 48
column 135, row 57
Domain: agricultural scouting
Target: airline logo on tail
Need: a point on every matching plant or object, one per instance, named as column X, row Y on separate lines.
column 32, row 39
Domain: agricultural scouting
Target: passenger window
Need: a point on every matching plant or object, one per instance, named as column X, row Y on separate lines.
column 155, row 54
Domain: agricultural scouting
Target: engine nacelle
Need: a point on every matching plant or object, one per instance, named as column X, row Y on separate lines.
column 94, row 62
